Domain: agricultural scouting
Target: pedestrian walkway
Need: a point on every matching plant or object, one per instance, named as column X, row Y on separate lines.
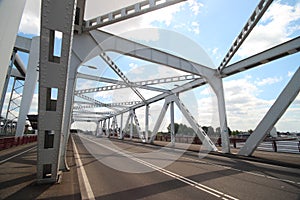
column 18, row 176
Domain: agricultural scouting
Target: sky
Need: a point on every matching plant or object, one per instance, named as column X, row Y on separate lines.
column 202, row 31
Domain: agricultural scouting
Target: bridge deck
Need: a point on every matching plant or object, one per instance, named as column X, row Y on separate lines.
column 187, row 177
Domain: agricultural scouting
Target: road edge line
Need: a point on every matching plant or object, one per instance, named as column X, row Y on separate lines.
column 84, row 184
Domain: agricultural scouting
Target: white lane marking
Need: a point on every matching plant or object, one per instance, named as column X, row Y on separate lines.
column 7, row 159
column 239, row 170
column 84, row 184
column 247, row 172
column 183, row 179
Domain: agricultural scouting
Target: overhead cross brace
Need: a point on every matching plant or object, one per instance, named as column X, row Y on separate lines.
column 142, row 84
column 120, row 86
column 128, row 12
column 95, row 113
column 109, row 105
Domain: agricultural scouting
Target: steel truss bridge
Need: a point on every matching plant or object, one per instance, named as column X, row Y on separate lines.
column 59, row 104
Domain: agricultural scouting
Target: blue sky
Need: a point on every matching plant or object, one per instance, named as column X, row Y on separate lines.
column 211, row 25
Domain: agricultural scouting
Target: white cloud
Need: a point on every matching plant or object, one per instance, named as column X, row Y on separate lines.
column 268, row 81
column 243, row 106
column 276, row 26
column 290, row 74
column 215, row 51
column 86, row 84
column 30, row 23
column 195, row 6
column 133, row 66
column 195, row 28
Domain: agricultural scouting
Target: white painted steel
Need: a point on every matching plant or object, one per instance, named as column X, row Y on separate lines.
column 29, row 85
column 253, row 20
column 8, row 33
column 286, row 97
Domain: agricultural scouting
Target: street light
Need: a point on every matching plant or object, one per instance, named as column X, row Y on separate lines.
column 90, row 66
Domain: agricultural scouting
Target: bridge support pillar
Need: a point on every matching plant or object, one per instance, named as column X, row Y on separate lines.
column 172, row 123
column 217, row 85
column 108, row 127
column 131, row 125
column 121, row 127
column 147, row 122
column 57, row 25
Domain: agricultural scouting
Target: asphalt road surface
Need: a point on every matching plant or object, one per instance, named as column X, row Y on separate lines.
column 113, row 169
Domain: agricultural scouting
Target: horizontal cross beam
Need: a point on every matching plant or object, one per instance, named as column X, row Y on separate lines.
column 127, row 12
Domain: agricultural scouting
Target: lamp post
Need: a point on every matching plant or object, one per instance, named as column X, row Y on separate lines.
column 90, row 66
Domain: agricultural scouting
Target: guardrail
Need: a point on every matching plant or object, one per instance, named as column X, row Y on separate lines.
column 288, row 145
column 8, row 142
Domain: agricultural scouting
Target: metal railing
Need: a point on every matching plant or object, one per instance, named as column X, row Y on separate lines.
column 8, row 142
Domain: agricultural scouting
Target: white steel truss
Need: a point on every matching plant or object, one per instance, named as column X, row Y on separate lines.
column 141, row 84
column 56, row 123
column 255, row 17
column 286, row 97
column 128, row 12
column 113, row 66
column 207, row 143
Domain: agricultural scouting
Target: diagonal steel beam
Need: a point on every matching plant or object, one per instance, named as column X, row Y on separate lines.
column 253, row 20
column 286, row 97
column 287, row 48
column 117, row 70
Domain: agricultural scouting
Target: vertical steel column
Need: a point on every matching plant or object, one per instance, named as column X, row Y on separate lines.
column 57, row 19
column 104, row 127
column 217, row 85
column 121, row 127
column 131, row 125
column 71, row 85
column 172, row 123
column 147, row 122
column 69, row 99
column 101, row 128
column 97, row 128
column 108, row 125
